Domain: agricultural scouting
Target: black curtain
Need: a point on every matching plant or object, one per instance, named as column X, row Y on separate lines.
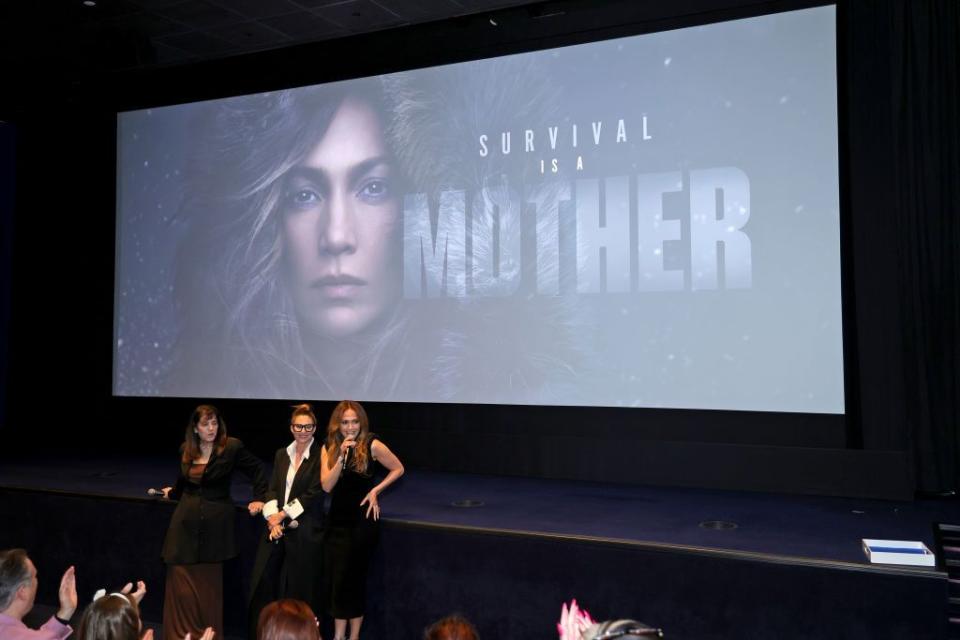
column 925, row 62
column 7, row 161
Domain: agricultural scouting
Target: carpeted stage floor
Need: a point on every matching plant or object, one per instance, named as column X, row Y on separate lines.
column 814, row 527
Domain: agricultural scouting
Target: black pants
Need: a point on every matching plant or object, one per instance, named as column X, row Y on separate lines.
column 272, row 585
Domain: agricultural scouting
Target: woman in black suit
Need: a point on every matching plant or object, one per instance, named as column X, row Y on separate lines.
column 288, row 560
column 201, row 533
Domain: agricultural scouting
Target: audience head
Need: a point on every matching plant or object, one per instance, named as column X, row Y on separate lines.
column 621, row 630
column 112, row 617
column 287, row 620
column 18, row 583
column 454, row 627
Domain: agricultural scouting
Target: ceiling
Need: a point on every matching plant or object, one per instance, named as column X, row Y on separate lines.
column 112, row 35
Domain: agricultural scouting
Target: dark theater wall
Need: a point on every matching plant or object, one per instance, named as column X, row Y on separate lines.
column 7, row 179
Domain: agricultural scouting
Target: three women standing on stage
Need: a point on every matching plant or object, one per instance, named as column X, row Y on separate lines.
column 288, row 558
column 296, row 551
column 348, row 465
column 201, row 532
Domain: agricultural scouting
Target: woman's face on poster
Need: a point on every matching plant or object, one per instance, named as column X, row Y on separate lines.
column 341, row 211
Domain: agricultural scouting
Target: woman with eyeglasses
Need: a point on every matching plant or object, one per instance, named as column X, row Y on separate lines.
column 350, row 465
column 288, row 559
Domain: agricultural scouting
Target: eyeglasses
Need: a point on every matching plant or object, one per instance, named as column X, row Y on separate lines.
column 303, row 427
column 644, row 632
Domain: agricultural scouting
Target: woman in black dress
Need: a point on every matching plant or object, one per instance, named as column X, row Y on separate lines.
column 201, row 533
column 288, row 559
column 347, row 471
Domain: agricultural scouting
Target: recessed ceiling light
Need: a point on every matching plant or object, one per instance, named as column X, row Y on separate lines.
column 89, row 3
column 493, row 22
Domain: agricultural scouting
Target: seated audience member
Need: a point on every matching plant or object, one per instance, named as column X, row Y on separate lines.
column 577, row 624
column 288, row 620
column 454, row 627
column 116, row 616
column 112, row 617
column 18, row 588
column 621, row 630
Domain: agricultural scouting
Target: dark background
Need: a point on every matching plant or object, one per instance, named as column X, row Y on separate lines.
column 898, row 87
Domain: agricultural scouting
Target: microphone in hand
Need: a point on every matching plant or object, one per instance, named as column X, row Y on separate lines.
column 349, row 452
column 275, row 537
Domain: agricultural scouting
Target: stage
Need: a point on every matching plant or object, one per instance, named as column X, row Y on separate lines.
column 506, row 552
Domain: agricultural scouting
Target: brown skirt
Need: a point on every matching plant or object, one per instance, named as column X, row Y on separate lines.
column 193, row 600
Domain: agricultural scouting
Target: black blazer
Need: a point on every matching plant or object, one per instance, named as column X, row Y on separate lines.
column 302, row 546
column 202, row 526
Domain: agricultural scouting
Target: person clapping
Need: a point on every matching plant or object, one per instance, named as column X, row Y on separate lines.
column 18, row 590
column 116, row 616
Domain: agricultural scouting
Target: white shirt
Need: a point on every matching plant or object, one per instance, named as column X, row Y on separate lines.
column 293, row 509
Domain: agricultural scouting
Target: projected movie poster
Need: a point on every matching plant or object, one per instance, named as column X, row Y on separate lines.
column 649, row 221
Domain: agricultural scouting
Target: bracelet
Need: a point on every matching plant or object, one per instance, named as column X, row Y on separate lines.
column 65, row 623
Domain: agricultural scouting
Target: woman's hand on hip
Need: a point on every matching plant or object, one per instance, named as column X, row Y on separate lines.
column 373, row 506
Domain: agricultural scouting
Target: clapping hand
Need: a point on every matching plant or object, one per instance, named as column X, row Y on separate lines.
column 68, row 594
column 136, row 595
column 573, row 621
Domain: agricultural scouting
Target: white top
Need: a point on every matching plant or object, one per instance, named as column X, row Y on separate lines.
column 293, row 509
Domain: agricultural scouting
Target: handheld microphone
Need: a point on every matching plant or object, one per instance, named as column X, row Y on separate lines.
column 346, row 456
column 154, row 492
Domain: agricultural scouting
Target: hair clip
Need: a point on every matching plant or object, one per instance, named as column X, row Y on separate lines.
column 103, row 592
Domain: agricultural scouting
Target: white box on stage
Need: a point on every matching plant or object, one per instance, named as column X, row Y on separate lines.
column 911, row 552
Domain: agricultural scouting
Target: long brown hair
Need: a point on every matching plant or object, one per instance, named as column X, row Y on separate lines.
column 112, row 617
column 233, row 204
column 287, row 620
column 191, row 440
column 361, row 453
